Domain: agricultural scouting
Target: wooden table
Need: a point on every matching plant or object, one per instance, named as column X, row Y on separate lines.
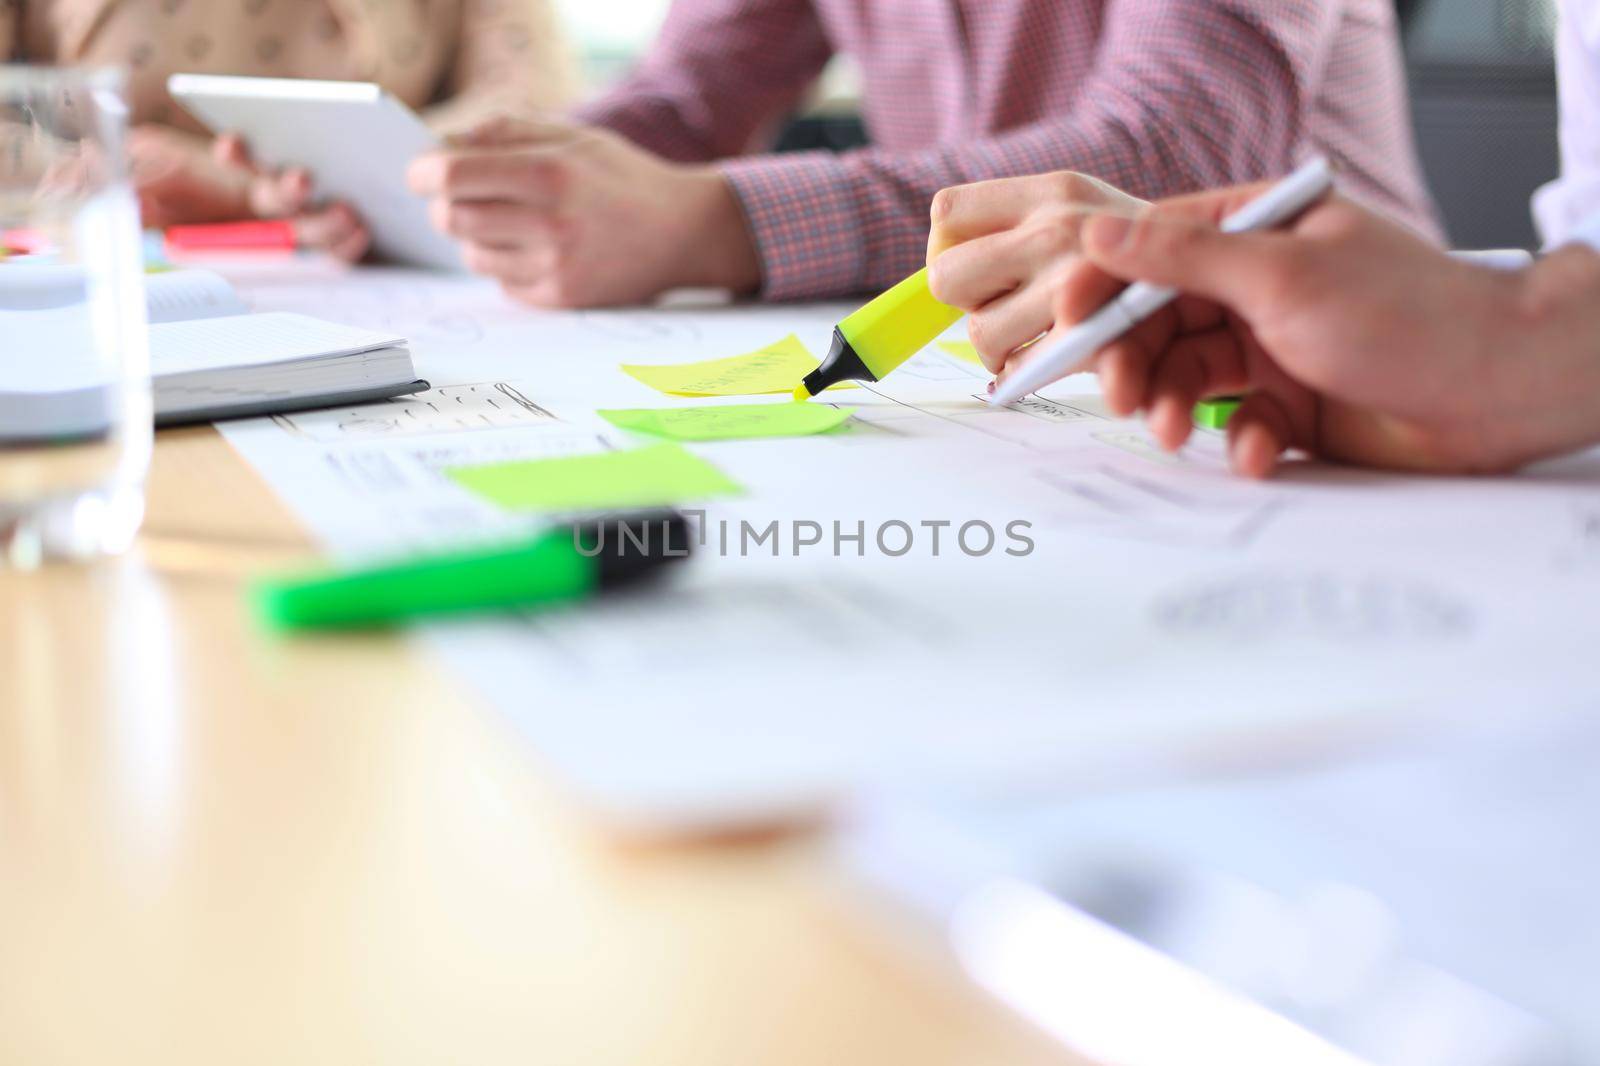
column 221, row 849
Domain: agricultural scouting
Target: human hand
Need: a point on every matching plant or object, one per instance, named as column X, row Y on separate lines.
column 570, row 216
column 183, row 179
column 996, row 248
column 332, row 227
column 1354, row 339
column 178, row 179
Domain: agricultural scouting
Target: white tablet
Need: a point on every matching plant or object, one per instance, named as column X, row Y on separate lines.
column 354, row 138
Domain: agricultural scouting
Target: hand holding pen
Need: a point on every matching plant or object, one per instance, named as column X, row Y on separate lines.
column 1354, row 338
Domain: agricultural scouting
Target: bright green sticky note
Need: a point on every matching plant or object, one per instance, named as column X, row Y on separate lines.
column 660, row 475
column 740, row 421
column 775, row 368
column 1216, row 412
column 962, row 350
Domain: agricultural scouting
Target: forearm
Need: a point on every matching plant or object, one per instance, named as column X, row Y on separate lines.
column 827, row 225
column 1186, row 95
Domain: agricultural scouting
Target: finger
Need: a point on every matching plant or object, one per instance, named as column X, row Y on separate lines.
column 1194, row 366
column 280, row 195
column 531, row 295
column 328, row 228
column 491, row 222
column 499, row 130
column 1007, row 324
column 527, row 176
column 1258, row 433
column 1211, row 206
column 1167, row 248
column 155, row 212
column 986, row 268
column 1081, row 289
column 505, row 130
column 153, row 162
column 971, row 275
column 547, row 293
column 354, row 247
column 230, row 150
column 964, row 212
column 513, row 268
column 1151, row 335
column 1124, row 370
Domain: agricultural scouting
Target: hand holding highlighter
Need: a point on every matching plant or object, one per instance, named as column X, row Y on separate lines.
column 1277, row 206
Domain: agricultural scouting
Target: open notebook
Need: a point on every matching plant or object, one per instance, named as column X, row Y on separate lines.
column 210, row 357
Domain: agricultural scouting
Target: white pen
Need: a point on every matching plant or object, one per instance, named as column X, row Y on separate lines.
column 1278, row 205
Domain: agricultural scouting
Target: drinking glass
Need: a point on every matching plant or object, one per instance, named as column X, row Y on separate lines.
column 75, row 409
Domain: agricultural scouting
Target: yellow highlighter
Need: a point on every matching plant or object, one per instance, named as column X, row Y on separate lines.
column 870, row 343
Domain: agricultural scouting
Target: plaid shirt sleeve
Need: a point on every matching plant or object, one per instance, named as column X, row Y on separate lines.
column 720, row 71
column 1184, row 94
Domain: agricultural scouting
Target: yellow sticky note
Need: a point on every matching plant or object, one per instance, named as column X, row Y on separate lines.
column 775, row 368
column 658, row 476
column 962, row 350
column 740, row 421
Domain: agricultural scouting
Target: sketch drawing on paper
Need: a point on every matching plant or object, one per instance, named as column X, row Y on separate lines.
column 448, row 409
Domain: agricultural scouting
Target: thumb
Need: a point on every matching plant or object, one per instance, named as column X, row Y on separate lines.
column 1193, row 257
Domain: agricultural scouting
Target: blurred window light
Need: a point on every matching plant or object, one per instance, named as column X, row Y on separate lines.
column 1464, row 30
column 609, row 36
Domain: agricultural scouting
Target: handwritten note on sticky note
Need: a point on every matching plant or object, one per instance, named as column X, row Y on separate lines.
column 742, row 421
column 657, row 476
column 777, row 368
column 964, row 350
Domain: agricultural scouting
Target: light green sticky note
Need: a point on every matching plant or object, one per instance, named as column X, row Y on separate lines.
column 740, row 421
column 660, row 475
column 962, row 350
column 1216, row 412
column 775, row 368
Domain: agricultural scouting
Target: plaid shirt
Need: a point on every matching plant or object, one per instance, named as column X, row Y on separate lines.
column 1155, row 96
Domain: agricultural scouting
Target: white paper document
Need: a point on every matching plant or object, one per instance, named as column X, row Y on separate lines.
column 938, row 591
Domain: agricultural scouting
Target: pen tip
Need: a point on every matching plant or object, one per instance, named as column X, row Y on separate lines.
column 801, row 393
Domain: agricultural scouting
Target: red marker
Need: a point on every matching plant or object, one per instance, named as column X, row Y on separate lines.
column 25, row 241
column 252, row 237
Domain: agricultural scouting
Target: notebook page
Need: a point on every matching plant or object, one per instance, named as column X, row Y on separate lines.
column 255, row 340
column 182, row 295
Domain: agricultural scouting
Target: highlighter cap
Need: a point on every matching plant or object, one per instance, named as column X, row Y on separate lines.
column 634, row 547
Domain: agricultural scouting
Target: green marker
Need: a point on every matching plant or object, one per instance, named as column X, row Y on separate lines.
column 870, row 343
column 1215, row 412
column 563, row 565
